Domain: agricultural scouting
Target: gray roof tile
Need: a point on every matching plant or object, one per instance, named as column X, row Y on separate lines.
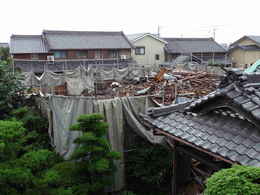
column 86, row 40
column 226, row 137
column 27, row 44
column 193, row 45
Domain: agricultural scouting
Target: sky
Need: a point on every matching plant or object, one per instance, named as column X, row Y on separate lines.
column 231, row 19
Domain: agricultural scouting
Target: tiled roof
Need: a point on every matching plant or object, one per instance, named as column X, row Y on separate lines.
column 27, row 44
column 134, row 37
column 86, row 40
column 193, row 45
column 225, row 122
column 4, row 45
column 229, row 137
column 246, row 47
column 255, row 38
column 240, row 92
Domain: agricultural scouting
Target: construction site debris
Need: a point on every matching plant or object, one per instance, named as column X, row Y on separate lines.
column 166, row 87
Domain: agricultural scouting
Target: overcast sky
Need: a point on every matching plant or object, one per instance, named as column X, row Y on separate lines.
column 177, row 18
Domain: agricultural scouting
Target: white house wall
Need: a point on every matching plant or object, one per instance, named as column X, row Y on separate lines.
column 152, row 47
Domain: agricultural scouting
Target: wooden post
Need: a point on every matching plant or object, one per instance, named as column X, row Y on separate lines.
column 174, row 164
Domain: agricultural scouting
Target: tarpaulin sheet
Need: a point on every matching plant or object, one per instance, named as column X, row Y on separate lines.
column 116, row 111
column 77, row 80
column 254, row 68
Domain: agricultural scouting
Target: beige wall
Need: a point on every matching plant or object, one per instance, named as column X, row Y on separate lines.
column 152, row 47
column 241, row 57
column 246, row 42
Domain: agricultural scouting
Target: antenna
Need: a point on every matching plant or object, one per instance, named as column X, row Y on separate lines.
column 214, row 33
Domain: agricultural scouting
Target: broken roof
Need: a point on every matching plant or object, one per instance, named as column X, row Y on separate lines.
column 86, row 40
column 27, row 44
column 193, row 45
column 225, row 122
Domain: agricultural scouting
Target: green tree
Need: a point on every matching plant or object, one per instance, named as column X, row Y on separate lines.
column 91, row 166
column 238, row 180
column 5, row 55
column 11, row 90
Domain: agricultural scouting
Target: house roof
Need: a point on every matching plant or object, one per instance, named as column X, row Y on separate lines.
column 225, row 122
column 254, row 38
column 135, row 37
column 4, row 45
column 239, row 92
column 27, row 44
column 86, row 40
column 246, row 47
column 193, row 45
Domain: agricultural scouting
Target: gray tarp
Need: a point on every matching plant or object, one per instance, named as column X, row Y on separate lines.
column 65, row 111
column 77, row 80
column 80, row 78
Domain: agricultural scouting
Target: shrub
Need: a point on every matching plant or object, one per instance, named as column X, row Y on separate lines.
column 238, row 180
column 10, row 134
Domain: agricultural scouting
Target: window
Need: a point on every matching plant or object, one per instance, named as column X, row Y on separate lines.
column 139, row 50
column 114, row 54
column 34, row 56
column 97, row 54
column 157, row 57
column 81, row 54
column 60, row 54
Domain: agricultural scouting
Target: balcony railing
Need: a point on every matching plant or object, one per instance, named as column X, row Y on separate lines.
column 39, row 66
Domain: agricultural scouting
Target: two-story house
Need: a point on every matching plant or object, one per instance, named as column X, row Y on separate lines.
column 70, row 45
column 245, row 51
column 149, row 49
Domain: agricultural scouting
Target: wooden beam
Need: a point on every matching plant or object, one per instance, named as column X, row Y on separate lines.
column 160, row 132
column 174, row 163
column 199, row 158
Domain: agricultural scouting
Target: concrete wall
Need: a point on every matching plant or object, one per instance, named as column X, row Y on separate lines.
column 152, row 48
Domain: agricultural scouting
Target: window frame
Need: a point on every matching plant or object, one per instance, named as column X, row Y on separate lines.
column 139, row 49
column 64, row 56
column 35, row 56
column 81, row 54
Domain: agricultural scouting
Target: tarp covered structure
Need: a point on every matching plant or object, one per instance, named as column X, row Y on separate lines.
column 65, row 110
column 81, row 78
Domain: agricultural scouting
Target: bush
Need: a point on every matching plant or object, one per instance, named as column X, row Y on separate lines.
column 10, row 135
column 238, row 180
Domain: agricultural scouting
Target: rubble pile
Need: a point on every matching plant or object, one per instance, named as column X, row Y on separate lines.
column 164, row 86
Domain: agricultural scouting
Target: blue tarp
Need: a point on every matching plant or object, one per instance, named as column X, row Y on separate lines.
column 254, row 68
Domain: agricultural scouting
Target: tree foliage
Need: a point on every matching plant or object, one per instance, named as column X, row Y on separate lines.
column 238, row 180
column 5, row 55
column 91, row 165
column 11, row 90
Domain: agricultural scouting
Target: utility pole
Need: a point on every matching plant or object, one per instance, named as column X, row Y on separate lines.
column 158, row 31
column 214, row 33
